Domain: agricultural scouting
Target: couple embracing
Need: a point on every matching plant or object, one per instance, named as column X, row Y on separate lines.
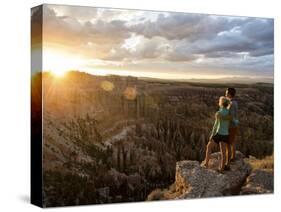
column 224, row 130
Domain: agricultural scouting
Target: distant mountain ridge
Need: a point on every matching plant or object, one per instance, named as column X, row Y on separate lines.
column 233, row 80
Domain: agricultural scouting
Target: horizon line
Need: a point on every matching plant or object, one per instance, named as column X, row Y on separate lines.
column 243, row 78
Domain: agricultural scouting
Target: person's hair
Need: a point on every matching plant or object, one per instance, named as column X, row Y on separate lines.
column 223, row 101
column 231, row 91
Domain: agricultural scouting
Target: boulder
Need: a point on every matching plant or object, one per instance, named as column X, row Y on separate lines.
column 194, row 181
column 260, row 181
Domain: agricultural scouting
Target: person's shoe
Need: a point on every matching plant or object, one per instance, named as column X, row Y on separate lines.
column 227, row 168
column 204, row 165
column 220, row 171
column 232, row 159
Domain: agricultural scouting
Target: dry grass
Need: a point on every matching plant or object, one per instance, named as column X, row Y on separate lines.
column 265, row 163
column 164, row 194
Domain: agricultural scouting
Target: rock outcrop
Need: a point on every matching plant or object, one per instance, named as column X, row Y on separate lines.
column 260, row 181
column 246, row 176
column 193, row 181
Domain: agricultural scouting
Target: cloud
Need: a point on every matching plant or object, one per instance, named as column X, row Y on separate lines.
column 259, row 29
column 203, row 34
column 138, row 37
column 177, row 26
column 73, row 35
column 101, row 32
column 137, row 48
column 80, row 13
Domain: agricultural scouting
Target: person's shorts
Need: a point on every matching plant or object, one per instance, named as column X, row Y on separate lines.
column 220, row 138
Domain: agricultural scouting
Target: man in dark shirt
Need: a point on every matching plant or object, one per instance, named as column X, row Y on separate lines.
column 233, row 110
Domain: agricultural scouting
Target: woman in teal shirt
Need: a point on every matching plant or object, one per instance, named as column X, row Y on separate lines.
column 220, row 133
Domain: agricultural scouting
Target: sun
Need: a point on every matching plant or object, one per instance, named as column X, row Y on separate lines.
column 59, row 62
column 58, row 73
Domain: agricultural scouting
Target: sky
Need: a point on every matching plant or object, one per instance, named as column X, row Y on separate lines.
column 167, row 45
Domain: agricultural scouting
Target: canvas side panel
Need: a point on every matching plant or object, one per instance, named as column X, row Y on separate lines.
column 36, row 105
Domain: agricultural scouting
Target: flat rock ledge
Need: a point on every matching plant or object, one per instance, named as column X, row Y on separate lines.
column 194, row 181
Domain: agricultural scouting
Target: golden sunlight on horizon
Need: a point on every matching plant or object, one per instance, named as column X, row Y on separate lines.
column 59, row 62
